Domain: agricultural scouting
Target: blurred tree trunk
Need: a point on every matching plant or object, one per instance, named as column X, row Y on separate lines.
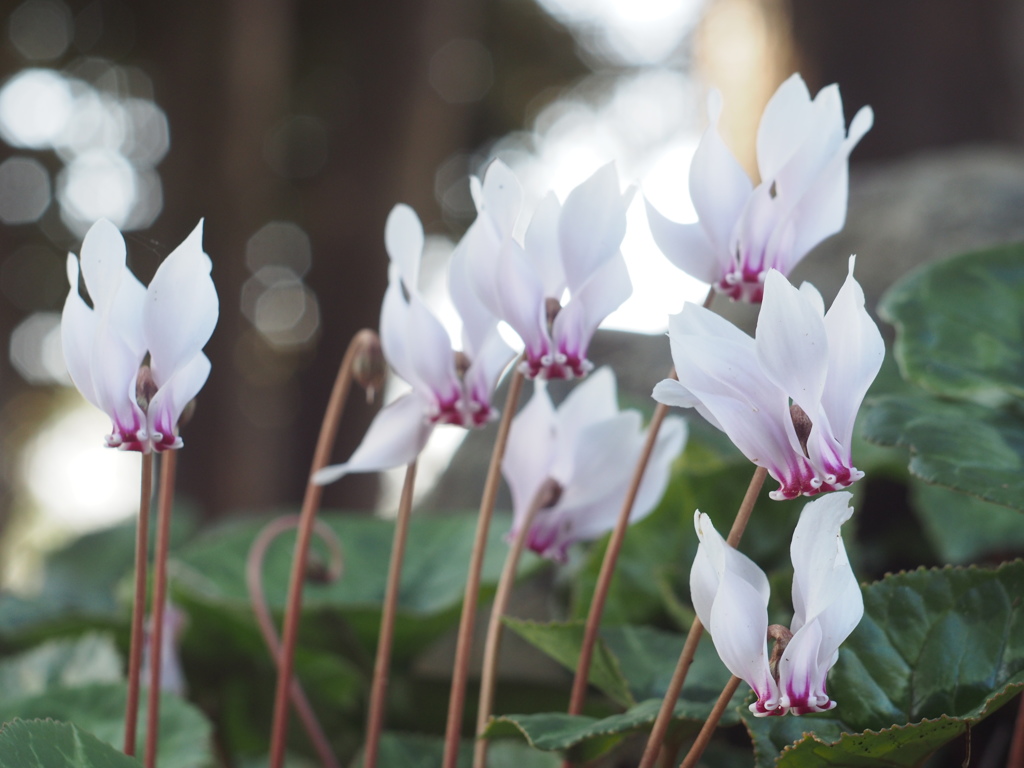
column 937, row 72
column 226, row 73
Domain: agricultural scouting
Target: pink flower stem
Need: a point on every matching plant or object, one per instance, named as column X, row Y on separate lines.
column 460, row 670
column 168, row 465
column 611, row 557
column 379, row 688
column 310, row 506
column 254, row 582
column 708, row 729
column 668, row 704
column 131, row 715
column 1016, row 757
column 492, row 645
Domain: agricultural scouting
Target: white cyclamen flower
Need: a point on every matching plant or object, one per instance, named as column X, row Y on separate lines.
column 447, row 387
column 730, row 595
column 105, row 345
column 572, row 246
column 583, row 456
column 803, row 152
column 788, row 398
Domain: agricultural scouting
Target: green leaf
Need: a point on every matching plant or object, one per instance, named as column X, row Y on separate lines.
column 641, row 658
column 404, row 750
column 963, row 529
column 562, row 642
column 936, row 651
column 99, row 709
column 960, row 325
column 92, row 658
column 46, row 744
column 212, row 570
column 959, row 445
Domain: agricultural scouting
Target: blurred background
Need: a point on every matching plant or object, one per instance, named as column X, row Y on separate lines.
column 294, row 126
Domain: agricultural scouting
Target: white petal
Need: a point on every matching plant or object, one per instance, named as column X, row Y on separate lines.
column 783, row 125
column 403, row 239
column 529, row 451
column 395, row 437
column 719, row 187
column 601, row 295
column 478, row 322
column 522, row 298
column 394, row 341
column 855, row 354
column 739, row 629
column 170, row 400
column 686, row 245
column 813, row 295
column 77, row 330
column 672, row 393
column 792, row 346
column 502, row 196
column 800, row 672
column 487, row 367
column 103, row 263
column 669, row 444
column 541, row 246
column 591, row 227
column 181, row 308
column 597, row 464
column 591, row 401
column 430, row 352
column 823, row 136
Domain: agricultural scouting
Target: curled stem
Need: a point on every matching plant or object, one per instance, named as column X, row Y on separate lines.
column 254, row 582
column 708, row 729
column 492, row 645
column 668, row 704
column 460, row 670
column 131, row 714
column 168, row 470
column 310, row 505
column 379, row 688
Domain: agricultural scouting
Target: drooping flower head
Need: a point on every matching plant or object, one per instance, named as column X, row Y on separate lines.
column 730, row 595
column 743, row 231
column 105, row 345
column 581, row 458
column 570, row 247
column 447, row 387
column 789, row 397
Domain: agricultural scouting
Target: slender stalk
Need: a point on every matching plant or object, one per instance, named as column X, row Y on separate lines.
column 131, row 714
column 307, row 516
column 460, row 670
column 1016, row 757
column 379, row 689
column 668, row 705
column 611, row 556
column 492, row 646
column 254, row 582
column 611, row 559
column 708, row 729
column 168, row 466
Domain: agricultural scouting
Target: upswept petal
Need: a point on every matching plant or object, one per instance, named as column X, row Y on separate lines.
column 521, row 300
column 576, row 323
column 170, row 400
column 595, row 399
column 730, row 595
column 488, row 364
column 479, row 251
column 478, row 322
column 595, row 464
column 823, row 137
column 686, row 245
column 783, row 125
column 801, row 676
column 667, row 447
column 403, row 240
column 115, row 367
column 394, row 339
column 181, row 308
column 430, row 353
column 671, row 392
column 396, row 437
column 529, row 451
column 821, row 568
column 796, row 362
column 541, row 246
column 719, row 187
column 855, row 354
column 77, row 330
column 103, row 263
column 591, row 226
column 502, row 197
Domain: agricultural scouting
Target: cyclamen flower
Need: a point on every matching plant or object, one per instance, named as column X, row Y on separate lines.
column 583, row 456
column 447, row 387
column 743, row 231
column 730, row 595
column 787, row 399
column 572, row 247
column 105, row 345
